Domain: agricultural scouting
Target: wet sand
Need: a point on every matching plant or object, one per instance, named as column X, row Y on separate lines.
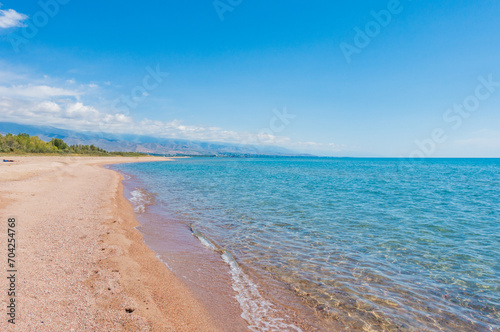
column 82, row 265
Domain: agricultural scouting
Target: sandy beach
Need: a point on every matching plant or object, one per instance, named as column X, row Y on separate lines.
column 81, row 265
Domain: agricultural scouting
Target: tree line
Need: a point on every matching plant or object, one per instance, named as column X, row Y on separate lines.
column 24, row 143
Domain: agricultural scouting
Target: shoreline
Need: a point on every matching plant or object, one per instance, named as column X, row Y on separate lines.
column 82, row 264
column 200, row 269
column 263, row 301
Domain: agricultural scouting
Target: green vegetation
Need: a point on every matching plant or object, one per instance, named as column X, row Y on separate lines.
column 24, row 143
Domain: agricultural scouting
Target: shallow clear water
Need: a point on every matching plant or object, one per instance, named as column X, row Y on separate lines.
column 374, row 244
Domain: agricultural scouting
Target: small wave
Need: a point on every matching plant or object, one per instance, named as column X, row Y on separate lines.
column 164, row 262
column 257, row 311
column 206, row 242
column 141, row 199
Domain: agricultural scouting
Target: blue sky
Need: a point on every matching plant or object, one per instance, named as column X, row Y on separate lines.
column 358, row 78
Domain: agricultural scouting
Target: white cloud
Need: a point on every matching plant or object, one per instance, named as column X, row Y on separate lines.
column 36, row 91
column 480, row 140
column 327, row 148
column 78, row 110
column 9, row 77
column 11, row 19
column 65, row 114
column 48, row 107
column 176, row 129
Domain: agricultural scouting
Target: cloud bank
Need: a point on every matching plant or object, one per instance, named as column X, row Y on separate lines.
column 45, row 104
column 48, row 103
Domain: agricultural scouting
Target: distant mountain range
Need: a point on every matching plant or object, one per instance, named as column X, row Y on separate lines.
column 145, row 144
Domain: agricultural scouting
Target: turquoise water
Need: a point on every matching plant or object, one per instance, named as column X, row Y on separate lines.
column 373, row 244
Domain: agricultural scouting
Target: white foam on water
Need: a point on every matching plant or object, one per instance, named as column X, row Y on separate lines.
column 207, row 243
column 161, row 260
column 257, row 311
column 140, row 199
